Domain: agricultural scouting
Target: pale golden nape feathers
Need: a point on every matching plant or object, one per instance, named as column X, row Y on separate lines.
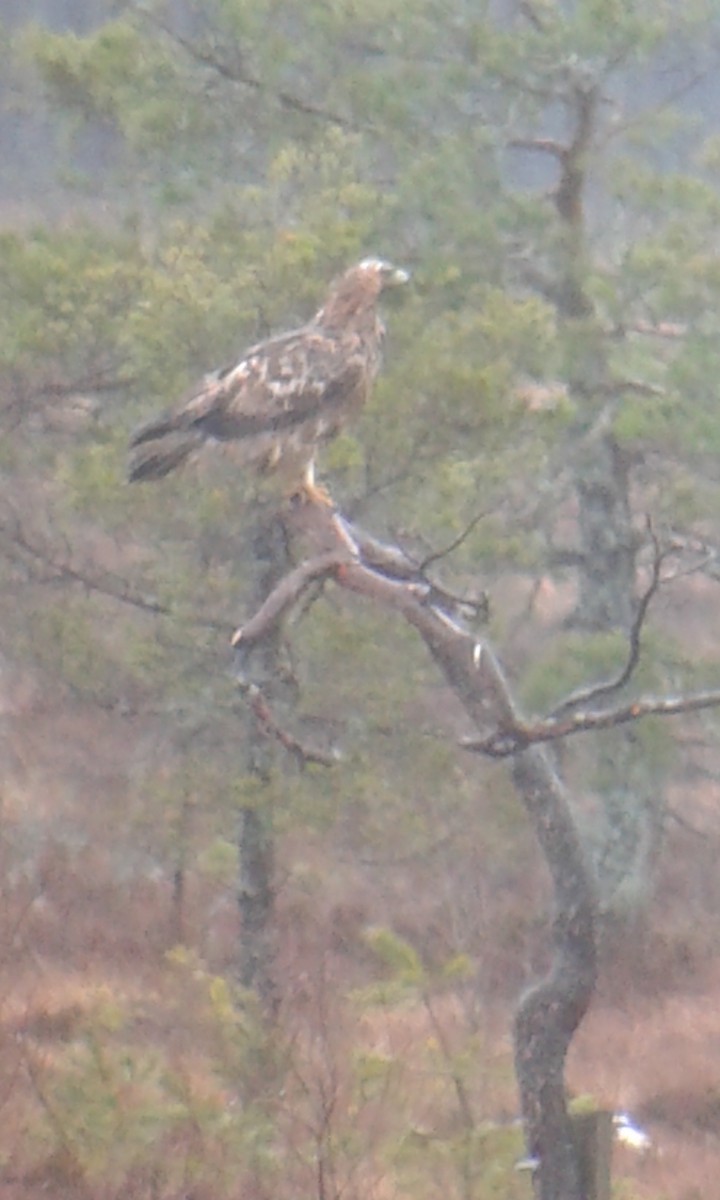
column 287, row 395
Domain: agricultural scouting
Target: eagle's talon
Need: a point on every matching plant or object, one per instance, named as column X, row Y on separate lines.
column 315, row 493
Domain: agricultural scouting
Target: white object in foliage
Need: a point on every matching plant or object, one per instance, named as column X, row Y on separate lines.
column 530, row 1163
column 629, row 1134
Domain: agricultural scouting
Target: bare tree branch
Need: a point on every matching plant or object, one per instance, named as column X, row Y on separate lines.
column 454, row 545
column 303, row 754
column 550, row 1012
column 616, row 387
column 505, row 743
column 235, row 72
column 682, row 89
column 671, row 330
column 541, row 145
column 103, row 583
column 587, row 695
column 287, row 593
column 386, row 575
column 100, row 381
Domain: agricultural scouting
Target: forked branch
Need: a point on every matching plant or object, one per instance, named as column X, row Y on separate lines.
column 587, row 695
column 551, row 1010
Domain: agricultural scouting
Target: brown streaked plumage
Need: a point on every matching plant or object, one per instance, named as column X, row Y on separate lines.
column 286, row 396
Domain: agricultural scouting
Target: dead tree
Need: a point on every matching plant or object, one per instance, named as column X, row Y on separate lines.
column 550, row 1012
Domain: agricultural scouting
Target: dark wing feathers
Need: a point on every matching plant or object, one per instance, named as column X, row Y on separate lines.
column 277, row 385
column 293, row 390
column 287, row 394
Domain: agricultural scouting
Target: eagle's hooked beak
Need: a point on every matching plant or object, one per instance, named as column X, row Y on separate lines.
column 388, row 273
column 397, row 277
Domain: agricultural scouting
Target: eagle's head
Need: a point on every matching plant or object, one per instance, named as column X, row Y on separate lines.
column 355, row 293
column 384, row 273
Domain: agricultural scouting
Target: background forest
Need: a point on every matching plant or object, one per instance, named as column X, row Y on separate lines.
column 179, row 180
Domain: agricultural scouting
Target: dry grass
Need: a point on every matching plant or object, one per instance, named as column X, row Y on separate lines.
column 654, row 1054
column 365, row 1093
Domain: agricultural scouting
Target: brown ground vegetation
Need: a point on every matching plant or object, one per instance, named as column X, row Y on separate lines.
column 84, row 968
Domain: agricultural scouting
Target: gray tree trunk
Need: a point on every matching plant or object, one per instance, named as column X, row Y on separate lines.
column 607, row 541
column 264, row 669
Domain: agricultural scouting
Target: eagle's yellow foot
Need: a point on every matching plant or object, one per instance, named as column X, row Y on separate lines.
column 314, row 493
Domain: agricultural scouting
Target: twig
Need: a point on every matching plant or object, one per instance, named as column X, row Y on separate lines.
column 539, row 21
column 303, row 754
column 395, row 563
column 104, row 585
column 508, row 741
column 671, row 330
column 688, row 827
column 618, row 387
column 64, row 1138
column 589, row 694
column 454, row 545
column 681, row 90
column 101, row 382
column 236, row 74
column 541, row 145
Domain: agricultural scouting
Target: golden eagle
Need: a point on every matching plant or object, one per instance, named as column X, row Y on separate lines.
column 286, row 396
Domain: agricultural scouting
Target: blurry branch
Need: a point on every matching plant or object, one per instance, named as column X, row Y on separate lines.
column 288, row 593
column 563, row 82
column 236, row 72
column 538, row 16
column 506, row 742
column 51, row 568
column 670, row 330
column 391, row 569
column 385, row 574
column 406, row 469
column 618, row 387
column 454, row 545
column 708, row 562
column 304, row 754
column 682, row 89
column 100, row 381
column 24, row 398
column 452, row 1064
column 562, row 723
column 671, row 814
column 541, row 144
column 62, row 1134
column 588, row 695
column 568, row 196
column 285, row 596
column 397, row 563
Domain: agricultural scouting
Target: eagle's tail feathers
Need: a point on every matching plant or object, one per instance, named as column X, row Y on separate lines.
column 166, row 423
column 157, row 457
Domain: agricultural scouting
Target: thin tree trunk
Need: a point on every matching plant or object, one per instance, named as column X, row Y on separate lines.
column 256, row 835
column 606, row 559
column 607, row 540
column 551, row 1011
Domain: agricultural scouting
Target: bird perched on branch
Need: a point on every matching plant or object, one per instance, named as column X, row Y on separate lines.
column 286, row 396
